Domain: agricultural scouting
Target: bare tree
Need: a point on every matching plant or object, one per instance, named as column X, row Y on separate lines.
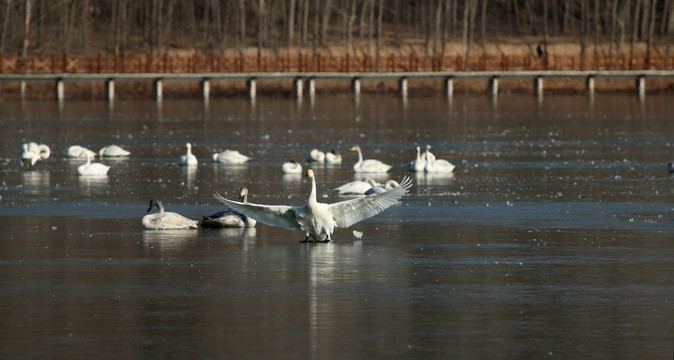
column 291, row 22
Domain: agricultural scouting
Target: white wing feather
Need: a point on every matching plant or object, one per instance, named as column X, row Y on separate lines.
column 349, row 212
column 282, row 216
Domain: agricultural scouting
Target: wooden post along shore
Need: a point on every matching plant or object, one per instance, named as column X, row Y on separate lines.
column 302, row 81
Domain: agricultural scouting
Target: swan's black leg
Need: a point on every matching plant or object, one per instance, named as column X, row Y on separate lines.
column 306, row 240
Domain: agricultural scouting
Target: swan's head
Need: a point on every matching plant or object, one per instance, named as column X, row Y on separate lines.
column 428, row 147
column 334, row 152
column 189, row 146
column 355, row 148
column 154, row 203
column 44, row 151
column 418, row 149
column 243, row 193
column 310, row 173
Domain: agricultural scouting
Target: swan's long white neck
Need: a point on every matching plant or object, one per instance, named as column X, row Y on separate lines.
column 312, row 195
column 428, row 158
column 360, row 155
column 418, row 154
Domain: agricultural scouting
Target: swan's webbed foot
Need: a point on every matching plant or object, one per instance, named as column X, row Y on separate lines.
column 328, row 240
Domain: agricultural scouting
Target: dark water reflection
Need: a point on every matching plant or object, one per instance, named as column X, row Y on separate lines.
column 552, row 239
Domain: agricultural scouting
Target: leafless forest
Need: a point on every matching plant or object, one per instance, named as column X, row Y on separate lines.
column 218, row 27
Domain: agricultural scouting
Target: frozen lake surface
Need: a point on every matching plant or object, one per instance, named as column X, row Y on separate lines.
column 553, row 238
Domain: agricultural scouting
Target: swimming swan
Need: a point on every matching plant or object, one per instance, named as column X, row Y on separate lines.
column 333, row 157
column 382, row 187
column 75, row 151
column 188, row 159
column 369, row 165
column 113, row 151
column 166, row 220
column 291, row 167
column 230, row 157
column 91, row 169
column 230, row 218
column 437, row 165
column 316, row 155
column 357, row 187
column 32, row 152
column 319, row 220
column 427, row 155
column 419, row 164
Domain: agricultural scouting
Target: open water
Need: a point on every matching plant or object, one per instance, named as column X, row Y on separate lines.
column 553, row 238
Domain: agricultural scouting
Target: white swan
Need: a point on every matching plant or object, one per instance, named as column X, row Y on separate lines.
column 357, row 187
column 166, row 220
column 188, row 159
column 319, row 220
column 418, row 164
column 369, row 165
column 32, row 152
column 427, row 155
column 438, row 165
column 230, row 157
column 291, row 167
column 75, row 151
column 382, row 187
column 333, row 157
column 92, row 169
column 316, row 155
column 230, row 218
column 113, row 151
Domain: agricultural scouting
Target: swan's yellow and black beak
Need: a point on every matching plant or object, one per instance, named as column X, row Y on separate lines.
column 310, row 173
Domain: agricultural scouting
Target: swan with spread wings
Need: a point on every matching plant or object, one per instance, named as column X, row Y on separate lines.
column 319, row 220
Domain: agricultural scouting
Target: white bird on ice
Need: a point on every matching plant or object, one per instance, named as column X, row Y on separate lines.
column 166, row 220
column 113, row 151
column 319, row 220
column 368, row 165
column 188, row 159
column 316, row 155
column 291, row 167
column 357, row 187
column 230, row 218
column 333, row 157
column 434, row 165
column 32, row 152
column 75, row 151
column 230, row 157
column 92, row 169
column 418, row 164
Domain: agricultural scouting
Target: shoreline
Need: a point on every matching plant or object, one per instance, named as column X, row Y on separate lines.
column 177, row 89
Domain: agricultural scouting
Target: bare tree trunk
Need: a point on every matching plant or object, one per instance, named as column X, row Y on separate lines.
column 317, row 5
column 260, row 26
column 325, row 20
column 517, row 17
column 583, row 26
column 242, row 25
column 305, row 21
column 436, row 35
column 379, row 30
column 645, row 12
column 635, row 26
column 614, row 25
column 597, row 22
column 291, row 22
column 349, row 26
column 370, row 27
column 5, row 25
column 445, row 31
column 483, row 21
column 651, row 27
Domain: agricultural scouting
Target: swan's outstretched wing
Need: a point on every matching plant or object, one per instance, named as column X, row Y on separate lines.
column 349, row 212
column 273, row 215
